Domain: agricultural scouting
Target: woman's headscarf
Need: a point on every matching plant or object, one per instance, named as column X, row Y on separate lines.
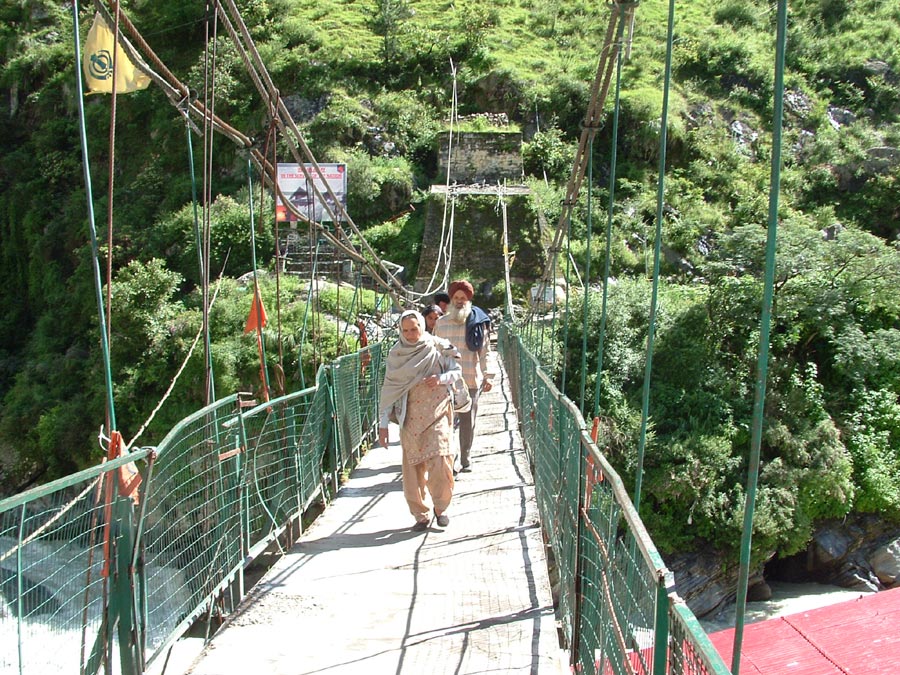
column 409, row 363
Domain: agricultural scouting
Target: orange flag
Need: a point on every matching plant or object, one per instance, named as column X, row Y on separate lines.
column 257, row 319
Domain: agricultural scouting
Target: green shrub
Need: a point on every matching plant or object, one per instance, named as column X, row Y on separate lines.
column 873, row 438
column 548, row 155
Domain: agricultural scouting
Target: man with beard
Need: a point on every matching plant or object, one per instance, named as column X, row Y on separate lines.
column 467, row 327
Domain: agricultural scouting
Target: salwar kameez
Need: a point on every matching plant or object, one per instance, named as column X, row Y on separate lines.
column 426, row 437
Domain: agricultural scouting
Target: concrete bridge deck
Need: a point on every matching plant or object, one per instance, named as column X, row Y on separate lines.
column 361, row 593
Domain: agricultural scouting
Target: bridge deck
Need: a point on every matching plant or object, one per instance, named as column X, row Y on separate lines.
column 362, row 593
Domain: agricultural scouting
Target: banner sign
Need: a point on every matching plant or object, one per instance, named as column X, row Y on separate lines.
column 298, row 189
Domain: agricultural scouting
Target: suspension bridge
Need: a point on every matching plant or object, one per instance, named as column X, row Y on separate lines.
column 546, row 565
column 109, row 574
column 110, row 566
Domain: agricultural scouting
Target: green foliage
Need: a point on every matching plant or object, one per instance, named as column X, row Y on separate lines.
column 547, row 154
column 408, row 123
column 346, row 301
column 372, row 88
column 728, row 63
column 873, row 438
column 378, row 187
column 834, row 345
column 230, row 238
column 386, row 20
column 738, row 15
column 398, row 241
column 344, row 121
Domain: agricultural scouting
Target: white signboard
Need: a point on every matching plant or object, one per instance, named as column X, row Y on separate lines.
column 298, row 189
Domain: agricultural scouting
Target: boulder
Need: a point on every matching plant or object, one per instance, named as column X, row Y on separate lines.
column 885, row 562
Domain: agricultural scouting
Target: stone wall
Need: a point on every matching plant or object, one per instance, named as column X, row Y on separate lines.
column 478, row 243
column 481, row 157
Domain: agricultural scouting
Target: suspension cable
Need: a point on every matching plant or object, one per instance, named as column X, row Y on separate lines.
column 591, row 122
column 614, row 146
column 764, row 331
column 111, row 172
column 446, row 241
column 660, row 201
column 586, row 289
column 92, row 226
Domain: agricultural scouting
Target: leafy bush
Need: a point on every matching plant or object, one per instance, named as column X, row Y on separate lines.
column 377, row 187
column 873, row 438
column 548, row 155
column 398, row 241
column 175, row 237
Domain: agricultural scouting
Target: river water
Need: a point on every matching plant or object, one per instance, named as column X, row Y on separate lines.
column 787, row 598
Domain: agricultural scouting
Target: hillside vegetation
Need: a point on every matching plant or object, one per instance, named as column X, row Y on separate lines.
column 370, row 83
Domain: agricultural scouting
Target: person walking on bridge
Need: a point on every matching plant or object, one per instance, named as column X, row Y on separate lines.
column 415, row 394
column 468, row 328
column 431, row 313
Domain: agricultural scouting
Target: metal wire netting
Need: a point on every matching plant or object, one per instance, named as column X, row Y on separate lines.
column 692, row 652
column 273, row 473
column 222, row 485
column 617, row 623
column 613, row 585
column 356, row 380
column 55, row 544
column 192, row 524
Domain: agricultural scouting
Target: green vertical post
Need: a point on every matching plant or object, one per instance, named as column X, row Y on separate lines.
column 92, row 227
column 661, row 628
column 587, row 274
column 609, row 216
column 121, row 596
column 764, row 331
column 211, row 393
column 565, row 319
column 20, row 590
column 660, row 195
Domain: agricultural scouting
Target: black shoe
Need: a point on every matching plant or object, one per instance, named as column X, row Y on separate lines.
column 420, row 526
column 443, row 520
column 466, row 469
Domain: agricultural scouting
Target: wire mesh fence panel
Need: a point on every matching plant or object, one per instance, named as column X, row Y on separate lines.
column 371, row 375
column 315, row 439
column 618, row 591
column 56, row 543
column 272, row 465
column 690, row 651
column 345, row 376
column 508, row 347
column 192, row 527
column 610, row 576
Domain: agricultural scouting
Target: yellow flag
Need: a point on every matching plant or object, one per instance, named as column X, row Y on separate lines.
column 97, row 63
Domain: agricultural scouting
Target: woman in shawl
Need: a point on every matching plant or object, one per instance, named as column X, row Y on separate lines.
column 420, row 368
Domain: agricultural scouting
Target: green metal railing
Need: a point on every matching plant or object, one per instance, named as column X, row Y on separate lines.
column 52, row 570
column 618, row 609
column 92, row 576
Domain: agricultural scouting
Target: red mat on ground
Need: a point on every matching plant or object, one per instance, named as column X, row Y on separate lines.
column 857, row 637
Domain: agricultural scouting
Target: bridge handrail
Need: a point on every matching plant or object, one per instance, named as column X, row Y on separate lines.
column 618, row 608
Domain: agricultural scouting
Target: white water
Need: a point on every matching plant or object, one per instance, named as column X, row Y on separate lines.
column 51, row 637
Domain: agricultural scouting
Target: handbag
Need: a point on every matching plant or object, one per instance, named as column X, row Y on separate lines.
column 459, row 393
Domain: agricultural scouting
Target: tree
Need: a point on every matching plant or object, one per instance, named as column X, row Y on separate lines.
column 386, row 20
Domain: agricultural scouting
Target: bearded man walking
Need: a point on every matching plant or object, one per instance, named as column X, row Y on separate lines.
column 468, row 328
